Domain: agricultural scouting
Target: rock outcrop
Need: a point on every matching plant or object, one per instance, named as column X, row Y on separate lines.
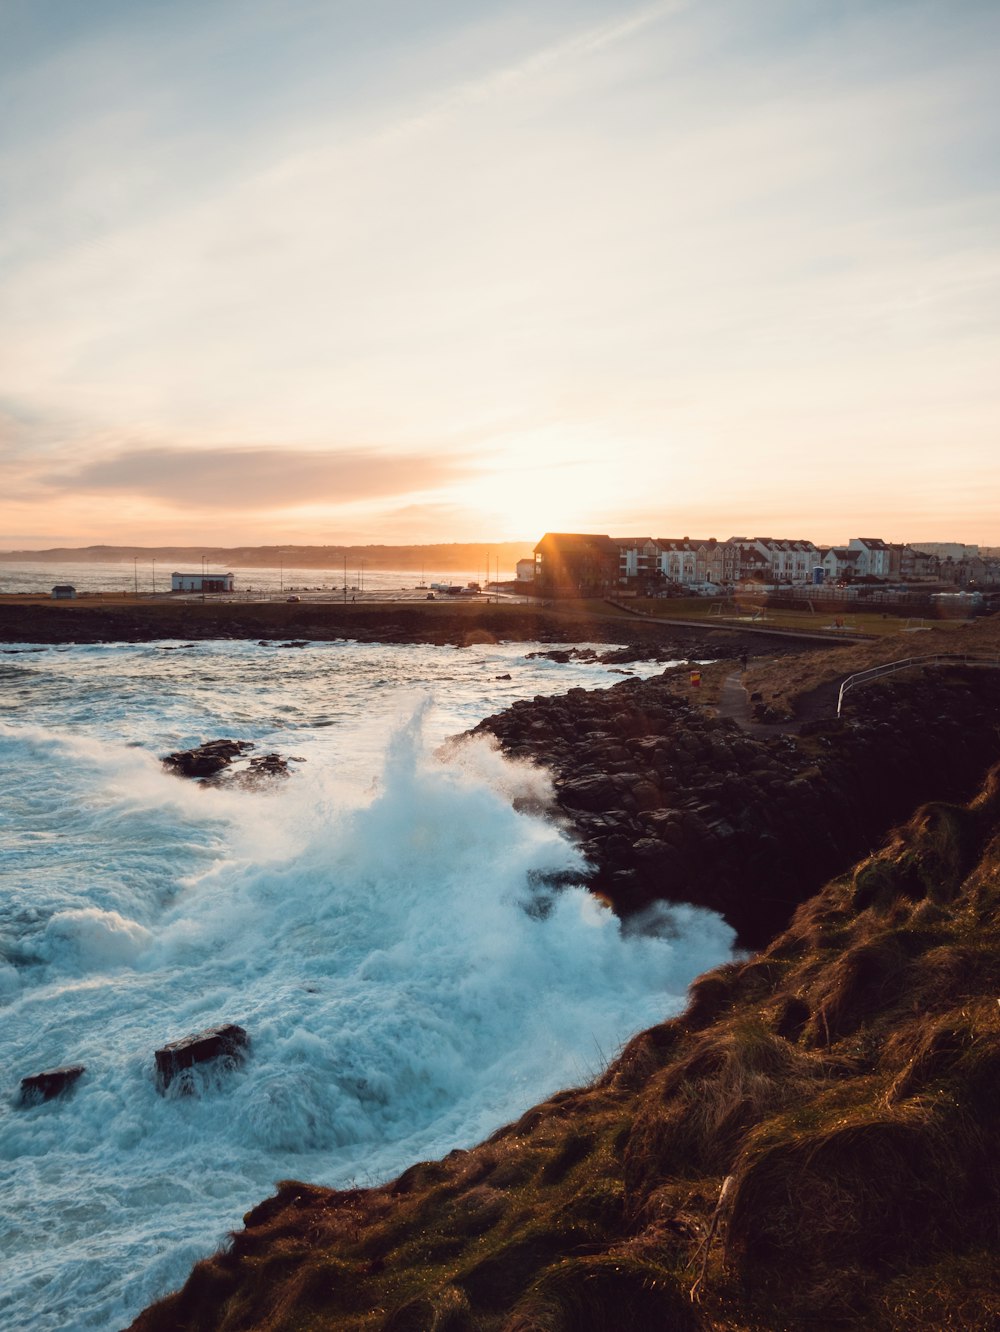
column 672, row 803
column 47, row 1086
column 207, row 759
column 226, row 1046
column 218, row 759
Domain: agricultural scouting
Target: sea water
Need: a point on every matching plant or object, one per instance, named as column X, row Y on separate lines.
column 379, row 923
column 146, row 578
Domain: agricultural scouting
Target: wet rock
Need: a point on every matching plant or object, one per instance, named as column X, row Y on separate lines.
column 207, row 759
column 264, row 768
column 46, row 1086
column 560, row 655
column 227, row 1044
column 669, row 803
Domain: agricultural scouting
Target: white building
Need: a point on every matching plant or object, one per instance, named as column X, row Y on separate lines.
column 679, row 560
column 525, row 571
column 875, row 559
column 789, row 561
column 637, row 557
column 840, row 564
column 201, row 582
column 945, row 550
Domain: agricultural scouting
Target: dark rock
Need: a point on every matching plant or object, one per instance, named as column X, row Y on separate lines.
column 595, row 791
column 207, row 759
column 227, row 1044
column 263, row 768
column 671, row 804
column 560, row 655
column 46, row 1086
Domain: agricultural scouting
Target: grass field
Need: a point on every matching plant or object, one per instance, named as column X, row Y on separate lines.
column 747, row 614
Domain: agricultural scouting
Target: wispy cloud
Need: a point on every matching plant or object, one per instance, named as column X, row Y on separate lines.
column 698, row 248
column 259, row 478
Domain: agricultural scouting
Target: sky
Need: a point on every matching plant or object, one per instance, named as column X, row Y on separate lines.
column 335, row 271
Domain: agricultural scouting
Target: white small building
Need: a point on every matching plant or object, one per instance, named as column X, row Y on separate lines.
column 525, row 571
column 201, row 582
column 840, row 564
column 63, row 592
column 875, row 560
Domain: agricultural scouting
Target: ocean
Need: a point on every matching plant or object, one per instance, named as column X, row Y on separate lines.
column 146, row 578
column 379, row 923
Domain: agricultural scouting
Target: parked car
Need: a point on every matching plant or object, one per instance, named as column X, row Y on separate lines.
column 293, row 598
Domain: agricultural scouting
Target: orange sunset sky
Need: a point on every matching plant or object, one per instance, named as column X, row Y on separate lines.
column 458, row 271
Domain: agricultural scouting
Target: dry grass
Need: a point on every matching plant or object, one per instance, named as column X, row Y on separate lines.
column 784, row 681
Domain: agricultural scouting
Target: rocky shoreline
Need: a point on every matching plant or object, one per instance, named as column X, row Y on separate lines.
column 670, row 802
column 809, row 1143
column 458, row 625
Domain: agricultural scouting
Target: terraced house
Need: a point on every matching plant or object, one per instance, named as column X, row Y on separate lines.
column 591, row 564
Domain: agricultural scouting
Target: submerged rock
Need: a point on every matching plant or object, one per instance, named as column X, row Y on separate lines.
column 228, row 1043
column 264, row 768
column 47, row 1086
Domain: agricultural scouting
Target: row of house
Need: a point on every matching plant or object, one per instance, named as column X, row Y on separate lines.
column 576, row 563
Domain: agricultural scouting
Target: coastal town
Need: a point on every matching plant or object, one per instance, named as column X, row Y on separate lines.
column 589, row 564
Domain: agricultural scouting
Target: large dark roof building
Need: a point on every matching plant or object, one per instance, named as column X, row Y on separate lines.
column 580, row 564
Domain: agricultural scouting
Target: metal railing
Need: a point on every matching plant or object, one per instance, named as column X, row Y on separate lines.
column 890, row 667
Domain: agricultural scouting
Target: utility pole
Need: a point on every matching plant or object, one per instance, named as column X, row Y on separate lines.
column 135, row 573
column 154, row 578
column 345, row 578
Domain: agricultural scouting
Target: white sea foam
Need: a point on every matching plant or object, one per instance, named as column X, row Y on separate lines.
column 379, row 924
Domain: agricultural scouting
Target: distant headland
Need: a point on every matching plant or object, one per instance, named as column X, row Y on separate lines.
column 444, row 557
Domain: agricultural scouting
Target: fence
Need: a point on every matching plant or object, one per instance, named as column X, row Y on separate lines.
column 905, row 663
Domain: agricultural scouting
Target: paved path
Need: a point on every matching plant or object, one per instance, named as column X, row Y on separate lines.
column 734, row 705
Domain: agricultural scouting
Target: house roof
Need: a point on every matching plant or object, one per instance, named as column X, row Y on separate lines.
column 556, row 546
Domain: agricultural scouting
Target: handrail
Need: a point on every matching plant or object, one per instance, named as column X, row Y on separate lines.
column 890, row 667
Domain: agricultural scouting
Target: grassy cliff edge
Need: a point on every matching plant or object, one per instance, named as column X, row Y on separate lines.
column 811, row 1144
